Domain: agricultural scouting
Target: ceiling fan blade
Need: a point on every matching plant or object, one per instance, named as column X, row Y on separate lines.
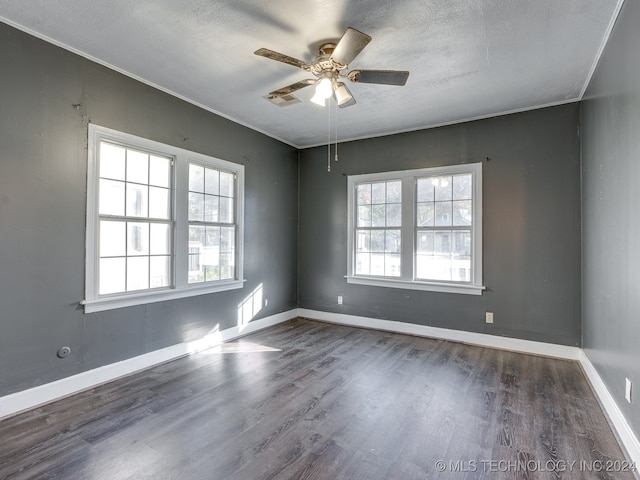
column 349, row 46
column 280, row 57
column 289, row 89
column 384, row 77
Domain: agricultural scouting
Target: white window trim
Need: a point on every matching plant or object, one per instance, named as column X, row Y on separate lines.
column 180, row 287
column 407, row 280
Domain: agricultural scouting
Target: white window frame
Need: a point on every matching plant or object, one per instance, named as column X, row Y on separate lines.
column 179, row 286
column 407, row 279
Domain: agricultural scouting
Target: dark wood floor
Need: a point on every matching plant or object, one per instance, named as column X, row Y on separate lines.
column 310, row 400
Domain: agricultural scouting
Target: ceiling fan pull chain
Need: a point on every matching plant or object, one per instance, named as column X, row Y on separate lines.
column 336, row 156
column 329, row 139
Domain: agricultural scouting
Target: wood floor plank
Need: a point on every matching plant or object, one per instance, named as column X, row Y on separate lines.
column 312, row 400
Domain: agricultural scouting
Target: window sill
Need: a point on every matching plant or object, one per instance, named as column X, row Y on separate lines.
column 121, row 301
column 460, row 288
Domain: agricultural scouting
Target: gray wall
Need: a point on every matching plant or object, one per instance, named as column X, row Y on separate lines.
column 531, row 203
column 610, row 122
column 42, row 213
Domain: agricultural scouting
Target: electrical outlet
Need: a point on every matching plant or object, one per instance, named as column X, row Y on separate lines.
column 627, row 390
column 266, row 302
column 489, row 317
column 339, row 299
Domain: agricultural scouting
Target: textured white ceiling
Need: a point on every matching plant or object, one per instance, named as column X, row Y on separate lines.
column 468, row 58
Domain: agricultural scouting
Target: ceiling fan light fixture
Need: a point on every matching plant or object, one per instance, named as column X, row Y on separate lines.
column 324, row 90
column 319, row 100
column 342, row 94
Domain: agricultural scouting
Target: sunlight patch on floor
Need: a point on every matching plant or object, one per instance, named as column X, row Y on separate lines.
column 241, row 347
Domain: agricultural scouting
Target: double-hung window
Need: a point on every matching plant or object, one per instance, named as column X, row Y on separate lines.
column 162, row 222
column 417, row 229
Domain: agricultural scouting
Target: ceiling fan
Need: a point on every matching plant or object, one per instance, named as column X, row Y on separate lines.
column 329, row 68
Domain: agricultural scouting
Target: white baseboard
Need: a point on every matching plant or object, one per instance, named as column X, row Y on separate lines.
column 34, row 397
column 622, row 428
column 480, row 339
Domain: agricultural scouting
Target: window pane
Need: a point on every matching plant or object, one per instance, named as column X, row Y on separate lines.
column 196, row 236
column 211, row 208
column 461, row 269
column 378, row 193
column 442, row 188
column 364, row 216
column 442, row 242
column 137, row 200
column 159, row 271
column 433, row 267
column 462, row 212
column 394, row 215
column 394, row 192
column 364, row 194
column 443, row 214
column 211, row 273
column 425, row 190
column 392, row 241
column 160, row 239
column 362, row 263
column 137, row 273
column 461, row 243
column 112, row 161
column 227, row 269
column 377, row 264
column 392, row 265
column 196, row 271
column 226, row 184
column 227, row 240
column 160, row 171
column 113, row 239
column 462, row 187
column 137, row 238
column 377, row 241
column 426, row 214
column 159, row 203
column 112, row 275
column 378, row 215
column 424, row 243
column 226, row 210
column 212, row 181
column 137, row 167
column 212, row 238
column 363, row 241
column 111, row 197
column 196, row 178
column 196, row 207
